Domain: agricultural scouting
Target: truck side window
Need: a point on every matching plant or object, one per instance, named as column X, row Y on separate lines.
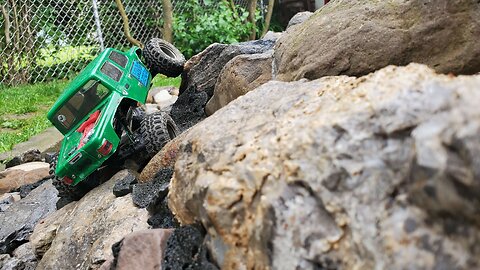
column 111, row 71
column 118, row 58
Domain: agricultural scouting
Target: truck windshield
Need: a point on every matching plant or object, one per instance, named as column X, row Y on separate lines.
column 80, row 105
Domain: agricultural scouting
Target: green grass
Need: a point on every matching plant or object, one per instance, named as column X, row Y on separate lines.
column 161, row 80
column 23, row 109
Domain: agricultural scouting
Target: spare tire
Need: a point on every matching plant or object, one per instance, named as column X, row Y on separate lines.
column 162, row 57
column 157, row 129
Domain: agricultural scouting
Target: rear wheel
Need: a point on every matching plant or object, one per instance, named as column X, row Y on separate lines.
column 69, row 193
column 162, row 57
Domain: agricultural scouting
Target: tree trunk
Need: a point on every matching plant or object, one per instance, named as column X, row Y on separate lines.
column 268, row 18
column 6, row 24
column 252, row 7
column 167, row 20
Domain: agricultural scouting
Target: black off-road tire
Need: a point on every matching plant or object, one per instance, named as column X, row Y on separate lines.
column 68, row 193
column 157, row 129
column 162, row 57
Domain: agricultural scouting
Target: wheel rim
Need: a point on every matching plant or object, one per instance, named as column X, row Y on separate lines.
column 168, row 51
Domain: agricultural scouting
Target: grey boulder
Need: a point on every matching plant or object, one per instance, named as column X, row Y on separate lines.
column 377, row 172
column 356, row 37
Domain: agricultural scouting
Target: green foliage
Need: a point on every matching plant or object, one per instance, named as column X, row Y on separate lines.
column 203, row 24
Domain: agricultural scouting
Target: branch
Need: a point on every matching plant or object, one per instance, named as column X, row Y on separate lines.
column 252, row 7
column 232, row 7
column 268, row 17
column 126, row 28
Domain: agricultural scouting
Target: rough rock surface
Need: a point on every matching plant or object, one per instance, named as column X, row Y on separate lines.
column 98, row 221
column 200, row 76
column 124, row 184
column 7, row 200
column 46, row 230
column 185, row 250
column 241, row 75
column 22, row 258
column 162, row 217
column 18, row 221
column 339, row 173
column 151, row 193
column 28, row 173
column 140, row 250
column 356, row 37
column 299, row 18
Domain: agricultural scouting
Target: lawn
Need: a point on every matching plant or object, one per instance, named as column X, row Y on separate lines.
column 23, row 109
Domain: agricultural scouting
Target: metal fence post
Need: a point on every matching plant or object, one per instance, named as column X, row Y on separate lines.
column 97, row 23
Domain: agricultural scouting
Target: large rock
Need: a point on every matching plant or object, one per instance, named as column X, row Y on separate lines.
column 200, row 76
column 241, row 75
column 356, row 37
column 339, row 173
column 24, row 174
column 99, row 219
column 46, row 230
column 18, row 221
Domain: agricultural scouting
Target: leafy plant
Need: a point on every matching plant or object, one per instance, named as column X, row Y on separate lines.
column 205, row 23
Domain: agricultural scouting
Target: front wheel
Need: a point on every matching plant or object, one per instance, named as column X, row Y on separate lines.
column 157, row 129
column 162, row 57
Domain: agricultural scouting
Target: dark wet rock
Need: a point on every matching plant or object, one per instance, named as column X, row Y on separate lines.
column 152, row 193
column 13, row 162
column 19, row 220
column 189, row 108
column 185, row 250
column 26, row 189
column 200, row 76
column 31, row 156
column 162, row 217
column 124, row 185
column 49, row 157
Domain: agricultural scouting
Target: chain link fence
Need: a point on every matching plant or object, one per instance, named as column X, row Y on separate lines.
column 42, row 40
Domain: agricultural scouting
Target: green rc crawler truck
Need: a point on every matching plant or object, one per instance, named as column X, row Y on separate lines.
column 100, row 116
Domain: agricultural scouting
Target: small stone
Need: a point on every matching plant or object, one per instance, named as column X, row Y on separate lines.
column 124, row 185
column 152, row 193
column 31, row 156
column 13, row 162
